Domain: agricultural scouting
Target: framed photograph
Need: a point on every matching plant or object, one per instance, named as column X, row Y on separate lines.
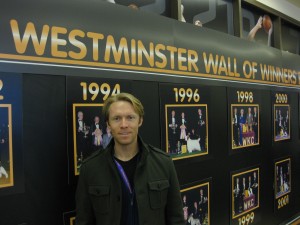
column 185, row 121
column 282, row 183
column 281, row 122
column 245, row 125
column 244, row 119
column 281, row 116
column 196, row 203
column 186, row 133
column 87, row 126
column 6, row 146
column 69, row 218
column 90, row 132
column 245, row 198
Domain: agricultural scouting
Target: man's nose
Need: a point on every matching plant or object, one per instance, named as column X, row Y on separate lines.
column 124, row 122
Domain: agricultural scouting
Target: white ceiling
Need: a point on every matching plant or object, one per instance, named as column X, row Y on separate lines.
column 290, row 8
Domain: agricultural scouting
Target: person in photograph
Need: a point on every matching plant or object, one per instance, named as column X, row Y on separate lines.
column 242, row 121
column 281, row 179
column 82, row 137
column 255, row 187
column 237, row 192
column 106, row 137
column 96, row 134
column 183, row 133
column 280, row 123
column 286, row 123
column 195, row 212
column 249, row 120
column 276, row 123
column 173, row 133
column 255, row 124
column 202, row 128
column 185, row 208
column 120, row 184
column 244, row 188
column 235, row 124
column 203, row 204
column 250, row 191
column 277, row 180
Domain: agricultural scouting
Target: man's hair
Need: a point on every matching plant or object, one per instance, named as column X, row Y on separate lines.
column 136, row 104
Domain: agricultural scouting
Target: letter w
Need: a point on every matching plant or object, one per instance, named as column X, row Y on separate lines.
column 29, row 33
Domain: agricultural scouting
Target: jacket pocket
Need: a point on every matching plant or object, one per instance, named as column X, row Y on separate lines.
column 99, row 196
column 158, row 192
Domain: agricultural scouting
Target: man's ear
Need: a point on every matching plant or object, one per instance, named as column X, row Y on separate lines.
column 141, row 121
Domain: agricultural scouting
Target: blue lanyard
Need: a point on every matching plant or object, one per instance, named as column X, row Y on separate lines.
column 123, row 175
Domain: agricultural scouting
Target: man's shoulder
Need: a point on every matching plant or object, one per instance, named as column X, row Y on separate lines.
column 156, row 150
column 95, row 155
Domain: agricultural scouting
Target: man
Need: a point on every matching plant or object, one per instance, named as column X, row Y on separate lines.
column 202, row 129
column 255, row 124
column 106, row 137
column 237, row 196
column 235, row 123
column 249, row 120
column 130, row 182
column 82, row 137
column 172, row 133
column 202, row 206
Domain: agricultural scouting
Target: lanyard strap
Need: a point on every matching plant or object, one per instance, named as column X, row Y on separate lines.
column 123, row 175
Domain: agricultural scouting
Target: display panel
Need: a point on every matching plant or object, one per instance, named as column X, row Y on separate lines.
column 244, row 118
column 185, row 124
column 245, row 198
column 282, row 183
column 11, row 157
column 6, row 147
column 196, row 203
column 85, row 97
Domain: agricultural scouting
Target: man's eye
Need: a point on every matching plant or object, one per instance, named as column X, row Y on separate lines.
column 116, row 119
column 131, row 117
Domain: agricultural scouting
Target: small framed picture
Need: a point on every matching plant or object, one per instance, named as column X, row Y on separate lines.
column 196, row 203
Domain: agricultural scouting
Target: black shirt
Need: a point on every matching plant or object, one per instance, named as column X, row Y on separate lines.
column 129, row 215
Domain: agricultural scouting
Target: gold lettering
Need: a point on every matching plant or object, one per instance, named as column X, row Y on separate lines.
column 111, row 46
column 181, row 59
column 160, row 55
column 56, row 42
column 72, row 38
column 30, row 32
column 143, row 52
column 192, row 60
column 172, row 51
column 96, row 37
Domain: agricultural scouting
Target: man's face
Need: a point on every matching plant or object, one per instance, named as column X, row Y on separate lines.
column 173, row 113
column 80, row 115
column 96, row 119
column 124, row 123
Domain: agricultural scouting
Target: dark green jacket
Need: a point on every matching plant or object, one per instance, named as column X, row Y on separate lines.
column 99, row 194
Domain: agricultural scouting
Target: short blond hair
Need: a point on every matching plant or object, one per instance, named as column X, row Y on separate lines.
column 136, row 104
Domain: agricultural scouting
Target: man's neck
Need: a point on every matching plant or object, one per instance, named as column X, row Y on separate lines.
column 125, row 153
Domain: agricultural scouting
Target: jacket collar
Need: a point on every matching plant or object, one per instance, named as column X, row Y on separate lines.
column 143, row 150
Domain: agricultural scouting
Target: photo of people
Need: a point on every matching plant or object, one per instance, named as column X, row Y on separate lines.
column 6, row 161
column 281, row 122
column 90, row 132
column 196, row 204
column 245, row 192
column 187, row 130
column 244, row 125
column 282, row 177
